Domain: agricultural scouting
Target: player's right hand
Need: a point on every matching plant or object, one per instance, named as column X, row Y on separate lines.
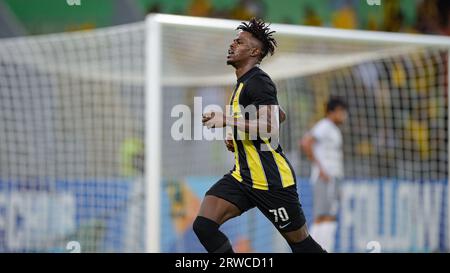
column 207, row 116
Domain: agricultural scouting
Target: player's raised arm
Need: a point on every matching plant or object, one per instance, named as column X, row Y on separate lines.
column 265, row 125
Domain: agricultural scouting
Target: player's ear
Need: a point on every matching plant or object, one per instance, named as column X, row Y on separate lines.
column 255, row 51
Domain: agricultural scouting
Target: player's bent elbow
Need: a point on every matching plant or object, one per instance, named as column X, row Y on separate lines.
column 305, row 143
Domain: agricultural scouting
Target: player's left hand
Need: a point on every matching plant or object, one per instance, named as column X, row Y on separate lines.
column 214, row 120
column 229, row 142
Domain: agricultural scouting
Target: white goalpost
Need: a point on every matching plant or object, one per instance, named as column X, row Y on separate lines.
column 153, row 140
column 87, row 151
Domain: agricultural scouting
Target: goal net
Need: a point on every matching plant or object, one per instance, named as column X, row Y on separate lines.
column 71, row 141
column 101, row 141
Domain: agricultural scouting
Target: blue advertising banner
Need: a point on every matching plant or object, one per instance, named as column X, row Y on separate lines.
column 108, row 216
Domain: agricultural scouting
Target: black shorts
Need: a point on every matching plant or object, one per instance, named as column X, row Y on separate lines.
column 281, row 206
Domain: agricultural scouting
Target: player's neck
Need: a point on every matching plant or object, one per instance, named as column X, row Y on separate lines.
column 240, row 71
column 332, row 120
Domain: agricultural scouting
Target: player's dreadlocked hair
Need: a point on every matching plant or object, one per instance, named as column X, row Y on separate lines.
column 261, row 31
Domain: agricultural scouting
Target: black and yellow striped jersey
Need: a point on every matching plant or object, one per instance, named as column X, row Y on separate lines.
column 262, row 169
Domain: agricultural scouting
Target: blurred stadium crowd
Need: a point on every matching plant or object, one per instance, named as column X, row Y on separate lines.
column 24, row 17
column 415, row 16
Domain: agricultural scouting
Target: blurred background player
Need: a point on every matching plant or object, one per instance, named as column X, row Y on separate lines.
column 323, row 147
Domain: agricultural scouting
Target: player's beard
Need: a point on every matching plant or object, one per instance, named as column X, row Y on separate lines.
column 232, row 63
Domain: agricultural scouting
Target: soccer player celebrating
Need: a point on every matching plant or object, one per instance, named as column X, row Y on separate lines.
column 323, row 147
column 262, row 176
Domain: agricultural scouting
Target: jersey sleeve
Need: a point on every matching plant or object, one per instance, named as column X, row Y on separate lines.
column 261, row 92
column 319, row 131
